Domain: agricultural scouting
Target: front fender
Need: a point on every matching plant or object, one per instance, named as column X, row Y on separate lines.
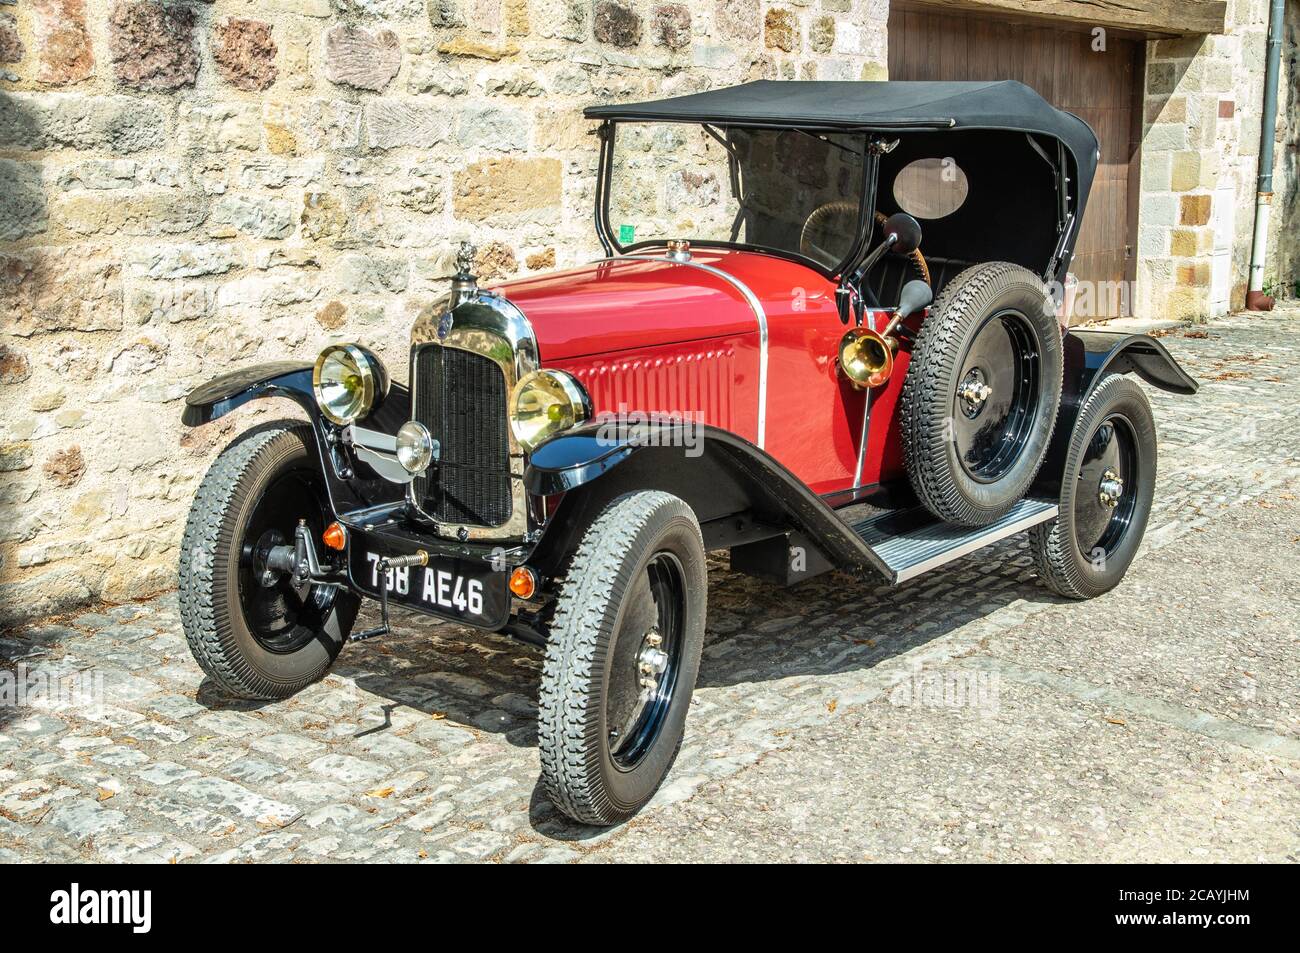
column 352, row 485
column 221, row 395
column 1090, row 356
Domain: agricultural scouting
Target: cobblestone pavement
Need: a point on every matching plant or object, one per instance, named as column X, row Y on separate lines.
column 964, row 715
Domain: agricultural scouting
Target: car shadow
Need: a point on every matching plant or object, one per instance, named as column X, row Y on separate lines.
column 757, row 632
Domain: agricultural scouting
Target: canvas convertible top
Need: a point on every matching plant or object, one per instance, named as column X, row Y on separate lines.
column 844, row 106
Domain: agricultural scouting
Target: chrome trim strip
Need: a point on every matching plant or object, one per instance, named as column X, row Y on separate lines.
column 862, row 446
column 755, row 305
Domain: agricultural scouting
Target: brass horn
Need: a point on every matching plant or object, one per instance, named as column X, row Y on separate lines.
column 867, row 357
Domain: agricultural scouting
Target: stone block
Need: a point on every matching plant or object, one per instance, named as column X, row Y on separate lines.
column 1193, row 274
column 498, row 189
column 392, row 124
column 491, row 127
column 62, row 42
column 1194, row 210
column 23, row 210
column 255, row 216
column 616, row 24
column 152, row 45
column 99, row 175
column 670, row 26
column 560, row 19
column 781, row 31
column 221, row 127
column 478, row 49
column 70, row 288
column 244, row 53
column 357, row 57
column 1185, row 171
column 737, row 19
column 119, row 125
column 821, row 35
column 12, row 48
column 1182, row 243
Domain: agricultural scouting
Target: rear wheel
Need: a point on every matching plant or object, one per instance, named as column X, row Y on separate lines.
column 622, row 658
column 1106, row 494
column 981, row 395
column 254, row 632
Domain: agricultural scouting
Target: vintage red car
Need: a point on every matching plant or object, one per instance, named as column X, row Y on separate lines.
column 771, row 360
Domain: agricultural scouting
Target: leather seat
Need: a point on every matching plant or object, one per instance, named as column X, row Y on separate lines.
column 887, row 278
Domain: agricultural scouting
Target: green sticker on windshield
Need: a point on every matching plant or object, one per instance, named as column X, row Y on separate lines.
column 626, row 234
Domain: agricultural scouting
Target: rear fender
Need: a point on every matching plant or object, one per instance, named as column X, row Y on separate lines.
column 1090, row 356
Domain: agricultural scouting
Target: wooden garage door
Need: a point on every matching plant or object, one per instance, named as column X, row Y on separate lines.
column 1102, row 88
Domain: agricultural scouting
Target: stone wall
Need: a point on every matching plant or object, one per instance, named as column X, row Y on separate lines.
column 191, row 186
column 1200, row 154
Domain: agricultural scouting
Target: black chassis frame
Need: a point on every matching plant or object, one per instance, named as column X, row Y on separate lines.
column 744, row 499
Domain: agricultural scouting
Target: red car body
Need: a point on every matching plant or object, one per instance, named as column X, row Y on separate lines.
column 676, row 338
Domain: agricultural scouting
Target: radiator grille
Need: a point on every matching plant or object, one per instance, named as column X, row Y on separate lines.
column 461, row 397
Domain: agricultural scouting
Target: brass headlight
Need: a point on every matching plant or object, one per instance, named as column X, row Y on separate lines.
column 545, row 403
column 349, row 381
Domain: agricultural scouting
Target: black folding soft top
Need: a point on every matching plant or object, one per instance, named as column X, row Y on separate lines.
column 885, row 106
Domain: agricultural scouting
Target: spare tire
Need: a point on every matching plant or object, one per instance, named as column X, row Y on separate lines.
column 981, row 395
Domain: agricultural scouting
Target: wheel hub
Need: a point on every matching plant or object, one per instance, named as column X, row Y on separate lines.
column 652, row 661
column 1110, row 489
column 973, row 392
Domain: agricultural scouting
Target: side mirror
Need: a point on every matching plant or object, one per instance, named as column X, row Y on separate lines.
column 906, row 231
column 915, row 296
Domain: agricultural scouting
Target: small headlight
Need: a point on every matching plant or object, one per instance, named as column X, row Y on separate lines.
column 348, row 382
column 546, row 403
column 414, row 446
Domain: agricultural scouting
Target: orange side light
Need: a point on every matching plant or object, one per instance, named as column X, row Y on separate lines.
column 335, row 536
column 523, row 582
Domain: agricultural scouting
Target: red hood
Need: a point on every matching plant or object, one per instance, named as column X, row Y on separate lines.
column 624, row 304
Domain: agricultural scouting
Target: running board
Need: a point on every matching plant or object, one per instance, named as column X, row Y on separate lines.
column 911, row 542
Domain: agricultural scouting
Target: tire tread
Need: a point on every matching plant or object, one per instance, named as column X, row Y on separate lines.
column 924, row 406
column 568, row 725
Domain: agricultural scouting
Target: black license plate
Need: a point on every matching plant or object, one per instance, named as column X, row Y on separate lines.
column 456, row 588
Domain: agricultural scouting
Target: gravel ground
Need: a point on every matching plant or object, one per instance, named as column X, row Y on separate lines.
column 966, row 715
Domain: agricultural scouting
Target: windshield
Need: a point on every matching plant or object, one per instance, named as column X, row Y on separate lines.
column 784, row 190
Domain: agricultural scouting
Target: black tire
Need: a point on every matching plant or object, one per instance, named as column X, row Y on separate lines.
column 1088, row 548
column 596, row 640
column 992, row 326
column 270, row 474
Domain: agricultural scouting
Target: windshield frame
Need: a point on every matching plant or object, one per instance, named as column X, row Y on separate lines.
column 866, row 198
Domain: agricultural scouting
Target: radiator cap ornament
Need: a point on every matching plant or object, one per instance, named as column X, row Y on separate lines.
column 464, row 284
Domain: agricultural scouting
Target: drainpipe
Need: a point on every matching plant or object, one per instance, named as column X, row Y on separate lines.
column 1256, row 300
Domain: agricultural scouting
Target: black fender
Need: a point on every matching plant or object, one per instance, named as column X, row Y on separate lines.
column 221, row 395
column 351, row 485
column 738, row 492
column 1090, row 356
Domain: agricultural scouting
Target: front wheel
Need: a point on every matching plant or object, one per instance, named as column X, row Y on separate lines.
column 254, row 632
column 1106, row 494
column 622, row 658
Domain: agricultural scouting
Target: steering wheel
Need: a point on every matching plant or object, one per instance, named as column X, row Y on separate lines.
column 823, row 213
